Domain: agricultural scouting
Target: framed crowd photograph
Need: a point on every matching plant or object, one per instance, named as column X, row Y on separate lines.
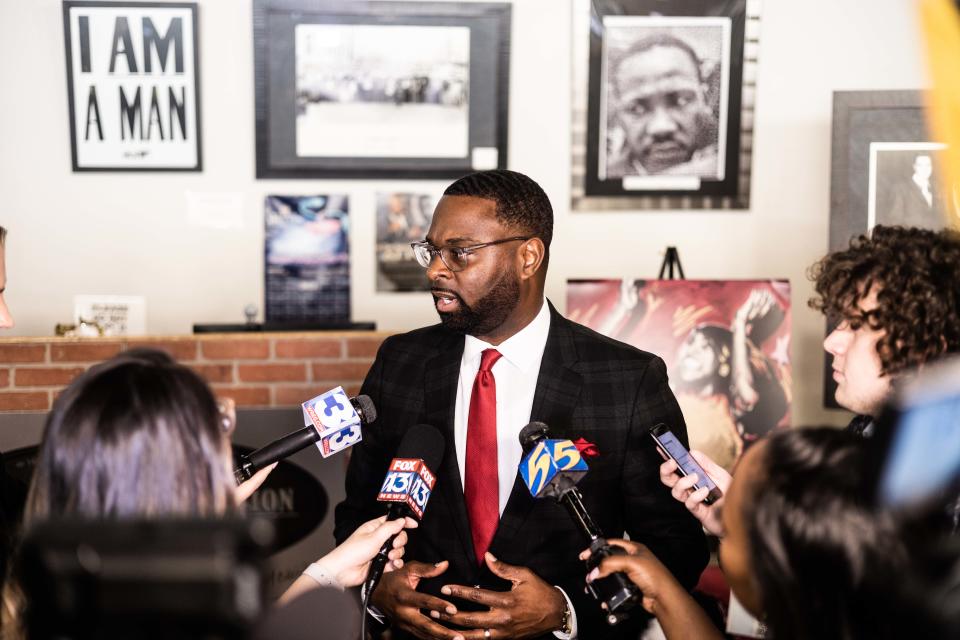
column 133, row 84
column 663, row 112
column 380, row 89
column 885, row 169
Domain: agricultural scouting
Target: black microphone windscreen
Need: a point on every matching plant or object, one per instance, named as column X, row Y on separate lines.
column 364, row 406
column 532, row 434
column 425, row 442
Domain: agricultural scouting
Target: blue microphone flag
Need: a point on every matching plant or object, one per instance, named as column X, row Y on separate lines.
column 552, row 468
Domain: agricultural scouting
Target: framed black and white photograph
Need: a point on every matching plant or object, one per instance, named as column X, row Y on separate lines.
column 133, row 85
column 380, row 89
column 665, row 104
column 906, row 188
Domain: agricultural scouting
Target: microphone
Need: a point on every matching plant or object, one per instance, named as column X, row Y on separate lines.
column 407, row 487
column 552, row 468
column 333, row 422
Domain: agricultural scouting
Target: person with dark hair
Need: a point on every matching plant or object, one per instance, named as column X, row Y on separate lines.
column 141, row 436
column 805, row 550
column 894, row 297
column 93, row 462
column 490, row 561
column 660, row 102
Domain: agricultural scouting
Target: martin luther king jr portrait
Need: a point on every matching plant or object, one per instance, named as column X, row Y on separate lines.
column 665, row 100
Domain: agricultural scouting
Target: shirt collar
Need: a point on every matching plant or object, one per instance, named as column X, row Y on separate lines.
column 524, row 349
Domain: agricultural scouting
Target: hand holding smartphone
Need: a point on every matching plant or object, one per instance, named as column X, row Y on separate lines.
column 674, row 449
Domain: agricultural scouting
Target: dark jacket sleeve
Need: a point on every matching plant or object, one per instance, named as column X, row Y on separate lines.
column 368, row 463
column 653, row 517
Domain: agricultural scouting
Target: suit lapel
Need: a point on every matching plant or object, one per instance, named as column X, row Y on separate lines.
column 440, row 392
column 558, row 387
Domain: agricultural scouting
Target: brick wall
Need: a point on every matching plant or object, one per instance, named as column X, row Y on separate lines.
column 265, row 370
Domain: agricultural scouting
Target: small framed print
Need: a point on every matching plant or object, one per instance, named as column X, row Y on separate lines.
column 905, row 186
column 402, row 218
column 133, row 85
column 307, row 259
column 380, row 89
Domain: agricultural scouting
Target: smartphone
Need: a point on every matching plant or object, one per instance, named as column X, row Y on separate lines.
column 669, row 444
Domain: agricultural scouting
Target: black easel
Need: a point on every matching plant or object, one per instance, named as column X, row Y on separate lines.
column 671, row 259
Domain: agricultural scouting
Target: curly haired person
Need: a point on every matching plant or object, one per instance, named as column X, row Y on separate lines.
column 895, row 299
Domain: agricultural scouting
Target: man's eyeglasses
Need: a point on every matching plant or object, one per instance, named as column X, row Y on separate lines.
column 455, row 258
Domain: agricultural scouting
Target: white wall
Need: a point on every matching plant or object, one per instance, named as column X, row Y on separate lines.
column 128, row 234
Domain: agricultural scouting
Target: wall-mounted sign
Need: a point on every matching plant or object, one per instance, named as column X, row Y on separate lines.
column 132, row 77
column 112, row 315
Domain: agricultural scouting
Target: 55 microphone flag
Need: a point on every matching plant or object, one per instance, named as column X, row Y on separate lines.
column 552, row 468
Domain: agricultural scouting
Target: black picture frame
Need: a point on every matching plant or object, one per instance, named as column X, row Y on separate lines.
column 859, row 119
column 730, row 98
column 275, row 83
column 130, row 157
column 735, row 12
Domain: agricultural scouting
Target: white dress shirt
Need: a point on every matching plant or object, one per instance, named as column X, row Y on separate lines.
column 516, row 374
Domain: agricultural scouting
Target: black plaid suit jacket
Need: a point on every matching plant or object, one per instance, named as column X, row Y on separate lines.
column 589, row 386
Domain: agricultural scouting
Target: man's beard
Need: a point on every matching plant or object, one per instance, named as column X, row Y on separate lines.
column 489, row 312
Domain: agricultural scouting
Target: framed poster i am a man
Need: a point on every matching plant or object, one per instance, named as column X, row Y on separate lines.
column 133, row 83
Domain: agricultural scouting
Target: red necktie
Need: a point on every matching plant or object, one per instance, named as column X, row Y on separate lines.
column 481, row 488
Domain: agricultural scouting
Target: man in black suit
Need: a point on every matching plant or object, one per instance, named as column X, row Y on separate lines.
column 486, row 256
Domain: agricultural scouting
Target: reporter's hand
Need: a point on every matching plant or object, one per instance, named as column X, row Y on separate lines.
column 681, row 488
column 247, row 487
column 350, row 561
column 678, row 614
column 398, row 598
column 531, row 607
column 640, row 565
